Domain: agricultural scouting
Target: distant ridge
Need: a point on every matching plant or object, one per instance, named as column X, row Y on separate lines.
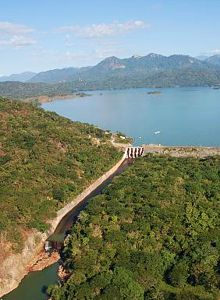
column 152, row 70
column 133, row 68
column 58, row 75
column 22, row 77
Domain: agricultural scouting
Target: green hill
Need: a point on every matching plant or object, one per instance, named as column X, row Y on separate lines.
column 153, row 234
column 45, row 160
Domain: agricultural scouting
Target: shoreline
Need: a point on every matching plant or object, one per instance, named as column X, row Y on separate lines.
column 100, row 90
column 45, row 98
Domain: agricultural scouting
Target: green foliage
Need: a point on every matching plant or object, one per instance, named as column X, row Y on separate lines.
column 39, row 225
column 152, row 234
column 121, row 138
column 45, row 161
column 58, row 194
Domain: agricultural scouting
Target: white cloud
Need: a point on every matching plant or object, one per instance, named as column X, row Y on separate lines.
column 211, row 52
column 15, row 35
column 18, row 41
column 215, row 51
column 14, row 29
column 104, row 30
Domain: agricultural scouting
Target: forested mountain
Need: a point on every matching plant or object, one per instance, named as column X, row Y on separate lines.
column 22, row 77
column 45, row 161
column 58, row 75
column 152, row 234
column 153, row 70
column 130, row 68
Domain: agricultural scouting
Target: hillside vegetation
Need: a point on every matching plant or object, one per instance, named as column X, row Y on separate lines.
column 45, row 160
column 153, row 234
column 22, row 90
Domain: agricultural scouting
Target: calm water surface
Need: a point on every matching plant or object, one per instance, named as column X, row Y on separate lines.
column 184, row 116
column 34, row 285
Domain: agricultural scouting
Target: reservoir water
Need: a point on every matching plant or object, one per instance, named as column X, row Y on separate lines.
column 34, row 285
column 182, row 116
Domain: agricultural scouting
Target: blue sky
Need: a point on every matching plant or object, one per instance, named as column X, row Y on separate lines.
column 39, row 35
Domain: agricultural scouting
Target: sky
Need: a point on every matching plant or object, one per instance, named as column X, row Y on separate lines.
column 38, row 35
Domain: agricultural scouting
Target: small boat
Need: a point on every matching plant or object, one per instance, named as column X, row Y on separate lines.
column 157, row 132
column 154, row 93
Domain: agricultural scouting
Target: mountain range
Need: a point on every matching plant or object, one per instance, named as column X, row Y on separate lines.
column 133, row 67
column 152, row 70
column 22, row 77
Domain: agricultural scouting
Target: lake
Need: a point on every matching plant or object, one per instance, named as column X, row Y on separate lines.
column 179, row 116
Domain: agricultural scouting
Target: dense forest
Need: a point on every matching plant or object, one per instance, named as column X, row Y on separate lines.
column 45, row 160
column 152, row 234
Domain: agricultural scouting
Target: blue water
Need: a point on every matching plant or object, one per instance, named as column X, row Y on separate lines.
column 184, row 116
